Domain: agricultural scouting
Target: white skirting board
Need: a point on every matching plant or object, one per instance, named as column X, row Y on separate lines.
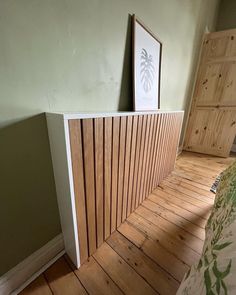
column 16, row 279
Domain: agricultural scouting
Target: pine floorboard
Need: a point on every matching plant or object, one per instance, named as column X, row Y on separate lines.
column 151, row 250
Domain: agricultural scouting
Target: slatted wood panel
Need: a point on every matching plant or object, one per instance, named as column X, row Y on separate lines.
column 117, row 162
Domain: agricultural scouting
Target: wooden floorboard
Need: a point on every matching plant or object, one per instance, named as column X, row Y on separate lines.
column 183, row 213
column 188, row 192
column 151, row 272
column 152, row 249
column 155, row 233
column 129, row 281
column 38, row 287
column 99, row 284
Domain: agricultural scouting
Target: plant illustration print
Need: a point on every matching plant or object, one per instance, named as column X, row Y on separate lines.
column 147, row 72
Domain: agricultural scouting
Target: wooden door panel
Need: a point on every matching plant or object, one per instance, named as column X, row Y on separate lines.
column 199, row 121
column 213, row 131
column 228, row 97
column 216, row 47
column 209, row 91
column 211, row 125
column 231, row 51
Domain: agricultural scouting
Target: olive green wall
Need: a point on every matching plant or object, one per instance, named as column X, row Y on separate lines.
column 226, row 19
column 74, row 55
column 227, row 15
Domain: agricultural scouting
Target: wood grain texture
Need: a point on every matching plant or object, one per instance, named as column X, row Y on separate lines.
column 121, row 169
column 62, row 279
column 145, row 179
column 78, row 174
column 137, row 162
column 99, row 178
column 212, row 119
column 115, row 170
column 143, row 265
column 175, row 267
column 141, row 169
column 165, row 240
column 99, row 283
column 155, row 168
column 152, row 157
column 115, row 266
column 159, row 153
column 89, row 175
column 132, row 160
column 155, row 139
column 107, row 175
column 127, row 166
column 146, row 159
column 152, row 249
column 118, row 162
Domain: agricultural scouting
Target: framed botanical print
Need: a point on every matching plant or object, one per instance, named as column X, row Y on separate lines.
column 147, row 51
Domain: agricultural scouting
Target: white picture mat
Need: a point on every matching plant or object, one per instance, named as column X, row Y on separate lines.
column 146, row 100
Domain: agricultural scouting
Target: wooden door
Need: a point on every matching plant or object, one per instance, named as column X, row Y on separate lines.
column 212, row 120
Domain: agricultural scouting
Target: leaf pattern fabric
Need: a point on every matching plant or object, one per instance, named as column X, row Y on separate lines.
column 216, row 270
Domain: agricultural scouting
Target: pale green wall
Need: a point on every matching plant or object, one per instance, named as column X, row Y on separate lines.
column 227, row 15
column 74, row 55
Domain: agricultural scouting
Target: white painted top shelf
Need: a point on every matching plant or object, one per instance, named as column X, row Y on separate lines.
column 84, row 115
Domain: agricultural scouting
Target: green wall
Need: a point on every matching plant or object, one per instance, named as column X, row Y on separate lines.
column 227, row 15
column 226, row 19
column 74, row 55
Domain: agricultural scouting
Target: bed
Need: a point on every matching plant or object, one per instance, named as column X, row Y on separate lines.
column 215, row 272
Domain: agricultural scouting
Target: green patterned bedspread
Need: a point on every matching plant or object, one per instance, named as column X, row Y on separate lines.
column 215, row 272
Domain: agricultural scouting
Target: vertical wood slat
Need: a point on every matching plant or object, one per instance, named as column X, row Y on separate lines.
column 121, row 170
column 136, row 166
column 117, row 162
column 140, row 179
column 179, row 119
column 88, row 148
column 132, row 162
column 171, row 139
column 146, row 192
column 155, row 138
column 163, row 147
column 166, row 145
column 159, row 152
column 175, row 142
column 99, row 177
column 156, row 155
column 175, row 124
column 150, row 117
column 107, row 175
column 144, row 159
column 115, row 167
column 129, row 127
column 78, row 174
